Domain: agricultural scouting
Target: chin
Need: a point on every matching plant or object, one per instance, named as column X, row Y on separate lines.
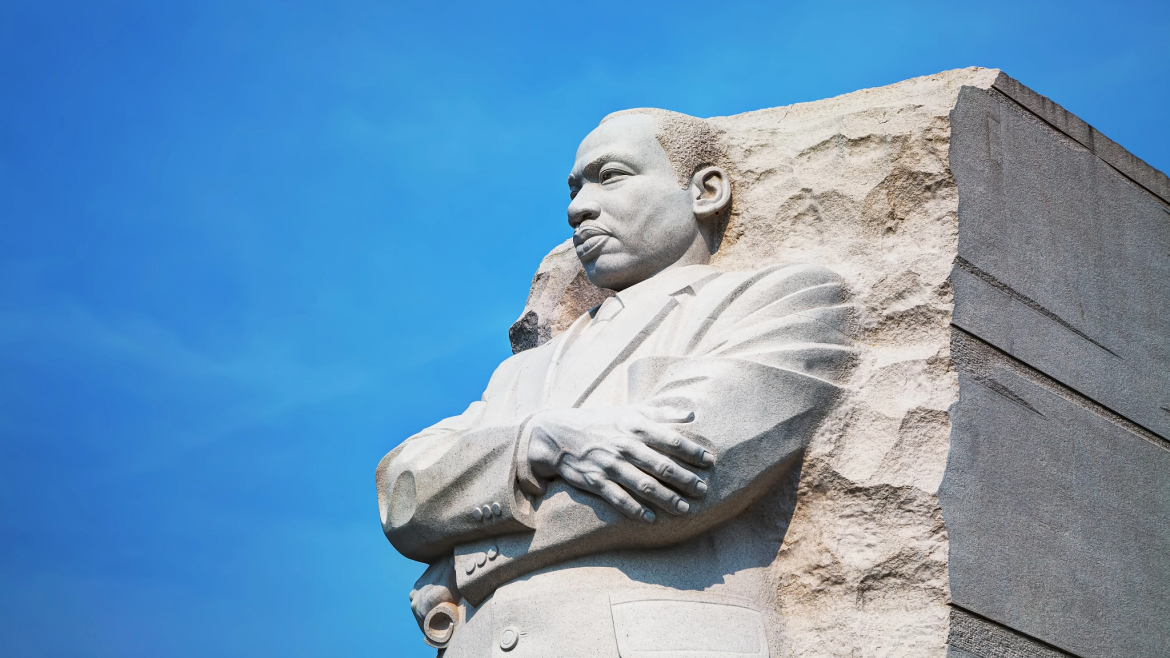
column 598, row 278
column 605, row 275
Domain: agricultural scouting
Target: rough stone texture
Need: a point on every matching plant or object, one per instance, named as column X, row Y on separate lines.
column 1066, row 370
column 972, row 637
column 861, row 183
column 560, row 293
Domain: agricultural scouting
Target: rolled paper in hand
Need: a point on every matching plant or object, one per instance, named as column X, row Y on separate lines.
column 440, row 623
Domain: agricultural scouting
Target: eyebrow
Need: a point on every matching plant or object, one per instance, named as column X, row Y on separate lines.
column 593, row 166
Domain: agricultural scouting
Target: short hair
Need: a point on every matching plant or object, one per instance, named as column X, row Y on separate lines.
column 690, row 142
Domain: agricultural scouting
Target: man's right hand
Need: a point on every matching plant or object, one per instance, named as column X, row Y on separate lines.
column 617, row 452
column 435, row 586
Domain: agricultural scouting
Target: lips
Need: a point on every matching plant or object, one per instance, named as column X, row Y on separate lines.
column 589, row 239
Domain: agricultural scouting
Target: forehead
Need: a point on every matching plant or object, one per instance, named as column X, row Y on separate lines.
column 629, row 137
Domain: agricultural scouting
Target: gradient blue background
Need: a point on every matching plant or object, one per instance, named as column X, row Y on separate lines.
column 248, row 247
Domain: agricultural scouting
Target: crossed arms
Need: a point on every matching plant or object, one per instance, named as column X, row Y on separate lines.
column 703, row 437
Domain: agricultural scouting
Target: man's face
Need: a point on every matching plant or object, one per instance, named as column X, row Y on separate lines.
column 630, row 219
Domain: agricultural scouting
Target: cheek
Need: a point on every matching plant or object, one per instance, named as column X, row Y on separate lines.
column 670, row 209
column 656, row 197
column 647, row 213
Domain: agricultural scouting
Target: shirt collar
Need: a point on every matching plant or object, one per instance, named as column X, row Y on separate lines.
column 668, row 282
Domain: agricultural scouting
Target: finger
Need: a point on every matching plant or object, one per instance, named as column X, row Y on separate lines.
column 597, row 483
column 667, row 441
column 621, row 500
column 664, row 469
column 665, row 414
column 639, row 482
column 591, row 477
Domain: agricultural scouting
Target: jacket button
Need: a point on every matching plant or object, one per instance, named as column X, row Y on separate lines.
column 470, row 567
column 508, row 638
column 496, row 509
column 486, row 511
column 480, row 559
column 477, row 514
column 493, row 552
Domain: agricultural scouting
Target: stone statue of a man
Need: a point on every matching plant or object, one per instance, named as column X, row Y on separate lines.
column 605, row 496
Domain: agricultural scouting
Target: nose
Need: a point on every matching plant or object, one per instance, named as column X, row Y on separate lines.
column 582, row 209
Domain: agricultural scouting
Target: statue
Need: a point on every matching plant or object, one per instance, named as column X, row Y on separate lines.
column 603, row 497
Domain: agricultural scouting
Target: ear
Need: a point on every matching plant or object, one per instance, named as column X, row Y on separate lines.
column 711, row 190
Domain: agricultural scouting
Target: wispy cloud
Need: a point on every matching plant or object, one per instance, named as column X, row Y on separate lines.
column 266, row 382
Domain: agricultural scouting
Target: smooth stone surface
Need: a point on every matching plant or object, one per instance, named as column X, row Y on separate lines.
column 1057, row 493
column 1059, row 520
column 1064, row 262
column 1069, row 124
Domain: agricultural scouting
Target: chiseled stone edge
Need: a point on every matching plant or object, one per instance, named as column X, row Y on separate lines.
column 1112, row 153
column 976, row 636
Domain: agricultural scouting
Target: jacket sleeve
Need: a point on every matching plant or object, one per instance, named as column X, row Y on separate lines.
column 454, row 482
column 760, row 377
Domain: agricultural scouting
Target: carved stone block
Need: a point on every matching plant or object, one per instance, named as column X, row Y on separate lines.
column 986, row 472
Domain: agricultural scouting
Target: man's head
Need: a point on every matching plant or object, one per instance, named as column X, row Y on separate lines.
column 648, row 195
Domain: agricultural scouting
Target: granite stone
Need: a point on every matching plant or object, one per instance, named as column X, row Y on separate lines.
column 1057, row 490
column 1063, row 261
column 950, row 438
column 975, row 637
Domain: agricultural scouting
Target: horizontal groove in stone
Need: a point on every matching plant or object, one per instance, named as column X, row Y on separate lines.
column 978, row 357
column 1138, row 171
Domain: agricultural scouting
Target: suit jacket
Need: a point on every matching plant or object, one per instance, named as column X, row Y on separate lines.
column 758, row 356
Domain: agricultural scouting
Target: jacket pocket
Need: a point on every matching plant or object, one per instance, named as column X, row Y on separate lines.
column 687, row 625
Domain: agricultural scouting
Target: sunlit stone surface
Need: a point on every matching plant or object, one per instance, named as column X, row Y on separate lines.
column 991, row 469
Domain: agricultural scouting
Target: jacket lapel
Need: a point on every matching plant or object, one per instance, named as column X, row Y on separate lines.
column 574, row 379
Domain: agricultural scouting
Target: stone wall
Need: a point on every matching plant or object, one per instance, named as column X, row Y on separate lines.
column 1057, row 490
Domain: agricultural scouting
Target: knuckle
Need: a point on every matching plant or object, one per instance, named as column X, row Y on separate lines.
column 646, row 487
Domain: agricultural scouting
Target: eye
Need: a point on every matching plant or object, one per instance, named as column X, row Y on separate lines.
column 573, row 192
column 612, row 173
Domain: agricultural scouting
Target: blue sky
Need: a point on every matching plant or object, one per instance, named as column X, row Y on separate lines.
column 249, row 247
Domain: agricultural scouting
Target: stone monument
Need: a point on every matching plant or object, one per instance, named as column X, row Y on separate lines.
column 886, row 374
